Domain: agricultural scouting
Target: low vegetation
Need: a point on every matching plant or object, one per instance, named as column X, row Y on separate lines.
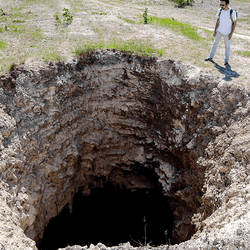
column 185, row 29
column 99, row 13
column 3, row 45
column 138, row 47
column 67, row 17
column 244, row 53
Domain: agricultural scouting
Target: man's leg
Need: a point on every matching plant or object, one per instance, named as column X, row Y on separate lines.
column 215, row 45
column 227, row 48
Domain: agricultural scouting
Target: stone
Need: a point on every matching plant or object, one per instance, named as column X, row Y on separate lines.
column 66, row 126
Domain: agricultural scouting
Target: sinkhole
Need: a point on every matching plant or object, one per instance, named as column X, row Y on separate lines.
column 111, row 215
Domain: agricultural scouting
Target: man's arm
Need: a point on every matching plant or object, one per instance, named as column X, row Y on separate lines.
column 216, row 27
column 233, row 28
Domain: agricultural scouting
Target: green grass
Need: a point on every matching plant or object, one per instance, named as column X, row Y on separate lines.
column 51, row 56
column 244, row 53
column 128, row 20
column 133, row 46
column 3, row 45
column 245, row 20
column 185, row 29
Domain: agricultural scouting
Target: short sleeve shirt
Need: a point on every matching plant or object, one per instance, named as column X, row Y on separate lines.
column 225, row 25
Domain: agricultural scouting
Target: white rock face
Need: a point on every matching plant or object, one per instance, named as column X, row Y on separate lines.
column 66, row 126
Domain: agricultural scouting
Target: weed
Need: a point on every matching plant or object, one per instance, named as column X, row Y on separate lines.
column 244, row 53
column 57, row 19
column 68, row 18
column 160, row 52
column 99, row 13
column 2, row 13
column 18, row 21
column 145, row 16
column 3, row 29
column 15, row 28
column 3, row 45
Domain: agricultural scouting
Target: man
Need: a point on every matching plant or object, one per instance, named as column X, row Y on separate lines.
column 225, row 26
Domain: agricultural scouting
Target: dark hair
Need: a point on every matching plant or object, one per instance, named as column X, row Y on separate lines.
column 227, row 1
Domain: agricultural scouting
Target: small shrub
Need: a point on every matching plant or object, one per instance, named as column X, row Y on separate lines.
column 145, row 16
column 68, row 18
column 57, row 19
column 182, row 3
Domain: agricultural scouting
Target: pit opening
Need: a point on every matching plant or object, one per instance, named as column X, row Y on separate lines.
column 111, row 215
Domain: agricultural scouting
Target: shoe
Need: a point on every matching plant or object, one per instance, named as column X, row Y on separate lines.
column 210, row 59
column 226, row 64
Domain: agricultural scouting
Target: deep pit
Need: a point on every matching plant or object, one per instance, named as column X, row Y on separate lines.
column 111, row 216
column 109, row 132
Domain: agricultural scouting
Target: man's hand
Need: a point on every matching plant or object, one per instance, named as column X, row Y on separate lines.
column 230, row 36
column 214, row 34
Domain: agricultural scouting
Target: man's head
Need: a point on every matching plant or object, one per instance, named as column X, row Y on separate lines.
column 224, row 4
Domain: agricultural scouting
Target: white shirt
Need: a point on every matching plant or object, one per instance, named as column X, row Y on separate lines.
column 225, row 25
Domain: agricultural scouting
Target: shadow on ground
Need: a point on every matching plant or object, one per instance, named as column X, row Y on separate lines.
column 227, row 71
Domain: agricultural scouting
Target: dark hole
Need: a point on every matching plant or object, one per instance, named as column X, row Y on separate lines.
column 111, row 217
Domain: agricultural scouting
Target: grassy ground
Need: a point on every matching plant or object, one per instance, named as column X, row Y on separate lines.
column 39, row 30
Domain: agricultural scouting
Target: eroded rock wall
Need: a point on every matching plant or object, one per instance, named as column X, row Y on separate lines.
column 106, row 117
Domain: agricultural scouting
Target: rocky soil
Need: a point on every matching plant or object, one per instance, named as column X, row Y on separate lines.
column 67, row 126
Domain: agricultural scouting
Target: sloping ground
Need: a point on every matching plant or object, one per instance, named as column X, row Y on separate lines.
column 108, row 115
